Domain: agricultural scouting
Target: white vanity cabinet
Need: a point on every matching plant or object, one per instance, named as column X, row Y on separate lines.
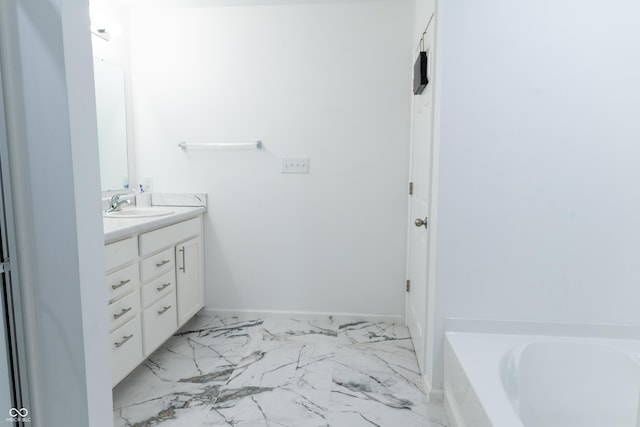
column 124, row 308
column 168, row 249
column 156, row 285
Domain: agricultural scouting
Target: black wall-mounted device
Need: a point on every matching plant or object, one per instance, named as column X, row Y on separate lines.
column 420, row 79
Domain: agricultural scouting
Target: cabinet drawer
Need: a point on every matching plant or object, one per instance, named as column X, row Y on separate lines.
column 122, row 281
column 169, row 236
column 157, row 264
column 126, row 349
column 159, row 322
column 121, row 252
column 124, row 309
column 158, row 288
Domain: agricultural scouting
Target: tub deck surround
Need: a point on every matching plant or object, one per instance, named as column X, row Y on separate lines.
column 221, row 371
column 179, row 199
column 119, row 228
column 552, row 384
column 499, row 380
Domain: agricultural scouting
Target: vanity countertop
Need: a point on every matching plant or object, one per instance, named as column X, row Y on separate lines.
column 119, row 228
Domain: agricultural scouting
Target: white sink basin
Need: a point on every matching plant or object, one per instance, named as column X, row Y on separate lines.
column 138, row 212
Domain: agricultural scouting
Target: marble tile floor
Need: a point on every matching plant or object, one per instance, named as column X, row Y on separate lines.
column 220, row 371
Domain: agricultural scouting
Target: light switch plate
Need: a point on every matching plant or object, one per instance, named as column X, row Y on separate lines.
column 295, row 165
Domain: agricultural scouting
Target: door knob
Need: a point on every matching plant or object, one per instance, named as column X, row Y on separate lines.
column 420, row 222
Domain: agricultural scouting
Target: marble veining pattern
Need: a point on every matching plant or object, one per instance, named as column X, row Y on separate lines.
column 220, row 371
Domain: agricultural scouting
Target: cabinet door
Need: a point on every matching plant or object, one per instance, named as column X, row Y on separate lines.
column 157, row 264
column 189, row 283
column 124, row 309
column 158, row 323
column 121, row 252
column 126, row 349
column 123, row 281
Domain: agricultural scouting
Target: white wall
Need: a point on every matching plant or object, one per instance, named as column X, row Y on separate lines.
column 59, row 264
column 88, row 232
column 327, row 81
column 539, row 154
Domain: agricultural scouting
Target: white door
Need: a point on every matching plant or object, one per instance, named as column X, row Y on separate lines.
column 418, row 230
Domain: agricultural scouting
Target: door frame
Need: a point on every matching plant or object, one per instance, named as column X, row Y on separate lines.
column 11, row 298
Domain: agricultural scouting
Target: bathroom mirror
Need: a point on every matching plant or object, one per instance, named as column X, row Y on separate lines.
column 112, row 127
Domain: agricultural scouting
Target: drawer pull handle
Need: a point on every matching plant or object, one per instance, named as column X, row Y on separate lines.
column 124, row 340
column 164, row 310
column 122, row 283
column 164, row 286
column 184, row 265
column 161, row 263
column 122, row 313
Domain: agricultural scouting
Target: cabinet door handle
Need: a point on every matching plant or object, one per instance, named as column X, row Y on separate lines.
column 164, row 285
column 122, row 313
column 184, row 266
column 122, row 283
column 124, row 340
column 161, row 263
column 164, row 310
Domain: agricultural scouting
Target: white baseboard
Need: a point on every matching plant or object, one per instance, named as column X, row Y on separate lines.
column 433, row 395
column 453, row 413
column 283, row 314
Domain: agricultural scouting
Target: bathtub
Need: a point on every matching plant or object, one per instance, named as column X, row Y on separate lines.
column 494, row 380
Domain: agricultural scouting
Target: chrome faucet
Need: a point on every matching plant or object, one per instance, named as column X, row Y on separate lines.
column 115, row 202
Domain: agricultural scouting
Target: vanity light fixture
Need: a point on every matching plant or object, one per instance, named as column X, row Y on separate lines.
column 100, row 32
column 105, row 32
